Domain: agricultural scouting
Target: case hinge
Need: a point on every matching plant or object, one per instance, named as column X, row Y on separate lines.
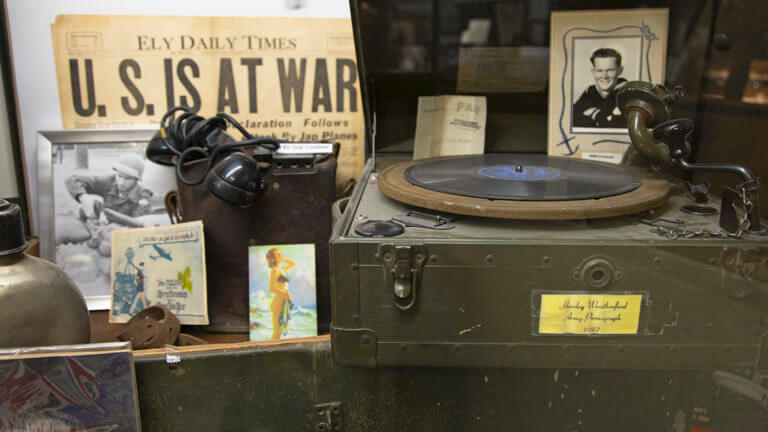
column 329, row 418
column 403, row 266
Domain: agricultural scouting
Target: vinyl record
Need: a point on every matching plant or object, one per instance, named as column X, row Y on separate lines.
column 521, row 177
column 543, row 178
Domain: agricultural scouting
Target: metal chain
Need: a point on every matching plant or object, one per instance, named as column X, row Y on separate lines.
column 675, row 233
column 744, row 221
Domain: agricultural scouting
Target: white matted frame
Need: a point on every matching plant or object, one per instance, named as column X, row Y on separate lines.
column 639, row 37
column 47, row 141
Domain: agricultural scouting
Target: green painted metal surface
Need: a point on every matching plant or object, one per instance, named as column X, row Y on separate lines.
column 277, row 388
column 705, row 299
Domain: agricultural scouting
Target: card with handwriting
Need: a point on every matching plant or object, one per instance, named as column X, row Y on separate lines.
column 159, row 265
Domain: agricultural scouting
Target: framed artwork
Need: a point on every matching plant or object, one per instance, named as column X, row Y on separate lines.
column 92, row 182
column 68, row 388
column 594, row 54
column 282, row 291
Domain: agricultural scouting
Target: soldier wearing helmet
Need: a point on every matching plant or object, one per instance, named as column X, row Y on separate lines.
column 120, row 190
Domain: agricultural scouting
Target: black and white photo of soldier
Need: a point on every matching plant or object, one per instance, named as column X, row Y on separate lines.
column 118, row 196
column 99, row 189
column 599, row 71
column 596, row 107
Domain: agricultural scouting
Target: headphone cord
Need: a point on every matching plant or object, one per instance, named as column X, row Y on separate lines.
column 266, row 143
column 187, row 133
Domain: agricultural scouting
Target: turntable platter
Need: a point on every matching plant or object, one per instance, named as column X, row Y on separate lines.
column 524, row 187
column 523, row 177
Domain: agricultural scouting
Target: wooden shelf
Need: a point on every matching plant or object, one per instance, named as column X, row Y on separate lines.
column 229, row 346
column 103, row 331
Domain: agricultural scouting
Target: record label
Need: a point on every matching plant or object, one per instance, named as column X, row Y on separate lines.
column 521, row 173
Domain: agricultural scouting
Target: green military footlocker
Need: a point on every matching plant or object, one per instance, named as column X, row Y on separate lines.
column 297, row 386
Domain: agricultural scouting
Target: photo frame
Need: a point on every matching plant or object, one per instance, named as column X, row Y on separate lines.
column 89, row 162
column 593, row 54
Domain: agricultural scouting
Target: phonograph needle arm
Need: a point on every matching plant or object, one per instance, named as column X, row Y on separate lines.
column 648, row 106
column 643, row 140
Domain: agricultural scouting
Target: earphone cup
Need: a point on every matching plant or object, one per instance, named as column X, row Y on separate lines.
column 236, row 179
column 158, row 150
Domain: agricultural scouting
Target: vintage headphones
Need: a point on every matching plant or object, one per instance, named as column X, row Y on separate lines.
column 232, row 173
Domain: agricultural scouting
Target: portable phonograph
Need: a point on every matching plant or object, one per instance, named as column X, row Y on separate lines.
column 512, row 259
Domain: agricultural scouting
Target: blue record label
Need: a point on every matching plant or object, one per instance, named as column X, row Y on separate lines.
column 509, row 172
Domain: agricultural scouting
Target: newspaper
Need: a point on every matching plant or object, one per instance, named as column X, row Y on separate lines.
column 294, row 79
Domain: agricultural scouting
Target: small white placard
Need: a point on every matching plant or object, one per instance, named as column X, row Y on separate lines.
column 305, row 148
column 614, row 158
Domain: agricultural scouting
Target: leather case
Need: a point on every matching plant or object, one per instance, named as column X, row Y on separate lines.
column 294, row 208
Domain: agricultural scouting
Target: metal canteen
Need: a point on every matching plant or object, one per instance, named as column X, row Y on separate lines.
column 39, row 303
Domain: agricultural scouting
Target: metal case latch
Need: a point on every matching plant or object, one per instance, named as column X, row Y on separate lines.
column 329, row 417
column 403, row 266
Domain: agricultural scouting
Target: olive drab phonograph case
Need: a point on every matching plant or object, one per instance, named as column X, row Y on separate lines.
column 429, row 268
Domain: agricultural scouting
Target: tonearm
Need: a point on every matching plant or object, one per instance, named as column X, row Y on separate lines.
column 664, row 142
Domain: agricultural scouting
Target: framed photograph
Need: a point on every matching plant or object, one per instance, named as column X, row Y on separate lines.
column 92, row 182
column 69, row 388
column 282, row 291
column 594, row 54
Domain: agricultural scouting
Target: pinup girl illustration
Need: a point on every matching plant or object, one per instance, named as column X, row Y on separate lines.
column 278, row 285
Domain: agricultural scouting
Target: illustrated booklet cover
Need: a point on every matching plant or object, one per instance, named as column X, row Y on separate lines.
column 159, row 265
column 282, row 291
column 69, row 388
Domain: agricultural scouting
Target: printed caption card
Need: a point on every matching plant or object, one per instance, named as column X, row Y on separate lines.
column 159, row 265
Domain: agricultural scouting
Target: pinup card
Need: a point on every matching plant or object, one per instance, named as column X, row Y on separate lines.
column 159, row 265
column 282, row 294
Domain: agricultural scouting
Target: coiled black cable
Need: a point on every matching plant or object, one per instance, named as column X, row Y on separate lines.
column 187, row 135
column 267, row 143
